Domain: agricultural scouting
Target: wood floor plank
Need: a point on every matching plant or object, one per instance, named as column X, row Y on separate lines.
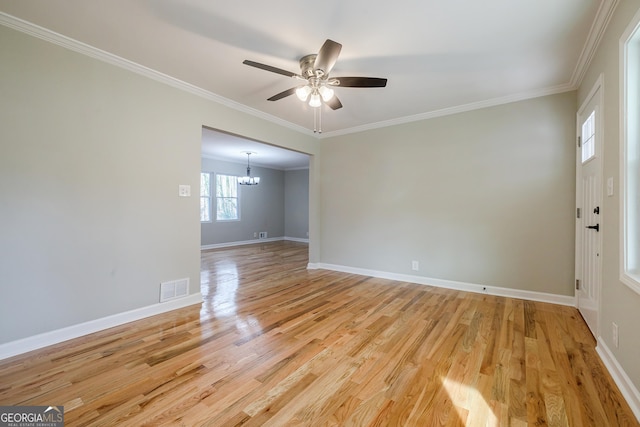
column 274, row 343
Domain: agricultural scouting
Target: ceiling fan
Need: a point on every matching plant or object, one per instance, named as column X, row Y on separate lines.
column 314, row 73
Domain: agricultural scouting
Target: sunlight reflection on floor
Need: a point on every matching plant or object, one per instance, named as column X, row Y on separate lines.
column 469, row 404
column 220, row 293
column 220, row 290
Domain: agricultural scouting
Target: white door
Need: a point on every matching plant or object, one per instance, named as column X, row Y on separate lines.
column 589, row 210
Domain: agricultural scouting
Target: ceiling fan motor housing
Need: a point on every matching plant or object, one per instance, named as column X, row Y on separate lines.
column 307, row 63
column 314, row 71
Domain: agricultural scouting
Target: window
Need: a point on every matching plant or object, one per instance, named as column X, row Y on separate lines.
column 205, row 197
column 226, row 198
column 630, row 155
column 588, row 137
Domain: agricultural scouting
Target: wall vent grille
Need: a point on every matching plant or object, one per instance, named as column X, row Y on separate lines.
column 174, row 289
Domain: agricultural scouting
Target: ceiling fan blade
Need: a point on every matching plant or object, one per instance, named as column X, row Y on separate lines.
column 283, row 94
column 327, row 57
column 269, row 68
column 334, row 103
column 361, row 82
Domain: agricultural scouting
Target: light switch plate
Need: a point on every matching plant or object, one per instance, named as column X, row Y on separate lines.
column 184, row 190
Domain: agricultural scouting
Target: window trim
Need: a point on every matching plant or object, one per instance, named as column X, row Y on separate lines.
column 237, row 198
column 629, row 62
column 210, row 220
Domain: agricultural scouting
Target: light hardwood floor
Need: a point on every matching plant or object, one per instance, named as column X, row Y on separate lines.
column 275, row 344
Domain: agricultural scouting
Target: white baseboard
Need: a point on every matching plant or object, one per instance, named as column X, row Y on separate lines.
column 449, row 284
column 239, row 243
column 296, row 239
column 622, row 380
column 251, row 242
column 620, row 377
column 35, row 342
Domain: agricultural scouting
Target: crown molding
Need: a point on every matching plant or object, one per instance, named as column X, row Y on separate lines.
column 453, row 110
column 602, row 19
column 101, row 55
column 301, row 168
column 598, row 28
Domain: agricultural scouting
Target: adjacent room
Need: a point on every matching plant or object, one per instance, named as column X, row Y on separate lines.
column 342, row 214
column 271, row 204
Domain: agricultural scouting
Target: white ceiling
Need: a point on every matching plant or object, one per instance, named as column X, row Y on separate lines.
column 439, row 56
column 233, row 148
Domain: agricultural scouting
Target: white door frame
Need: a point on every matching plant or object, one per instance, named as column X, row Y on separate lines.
column 596, row 90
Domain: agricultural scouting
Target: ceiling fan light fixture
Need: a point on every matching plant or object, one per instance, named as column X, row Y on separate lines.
column 317, row 86
column 303, row 92
column 314, row 101
column 326, row 93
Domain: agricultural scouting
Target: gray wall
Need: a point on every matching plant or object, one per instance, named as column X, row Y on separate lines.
column 619, row 303
column 261, row 206
column 91, row 156
column 484, row 197
column 296, row 203
column 279, row 205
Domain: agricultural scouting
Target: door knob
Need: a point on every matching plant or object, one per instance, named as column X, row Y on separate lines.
column 594, row 227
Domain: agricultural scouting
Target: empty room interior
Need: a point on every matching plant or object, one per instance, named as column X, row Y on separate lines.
column 328, row 214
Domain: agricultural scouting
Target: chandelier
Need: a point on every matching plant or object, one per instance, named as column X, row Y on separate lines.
column 248, row 180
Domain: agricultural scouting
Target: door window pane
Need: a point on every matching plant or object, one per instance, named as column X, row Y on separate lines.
column 588, row 137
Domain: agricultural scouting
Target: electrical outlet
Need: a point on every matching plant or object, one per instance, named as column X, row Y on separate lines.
column 614, row 334
column 255, row 234
column 415, row 265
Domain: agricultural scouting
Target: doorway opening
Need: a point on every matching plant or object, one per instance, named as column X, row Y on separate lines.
column 275, row 209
